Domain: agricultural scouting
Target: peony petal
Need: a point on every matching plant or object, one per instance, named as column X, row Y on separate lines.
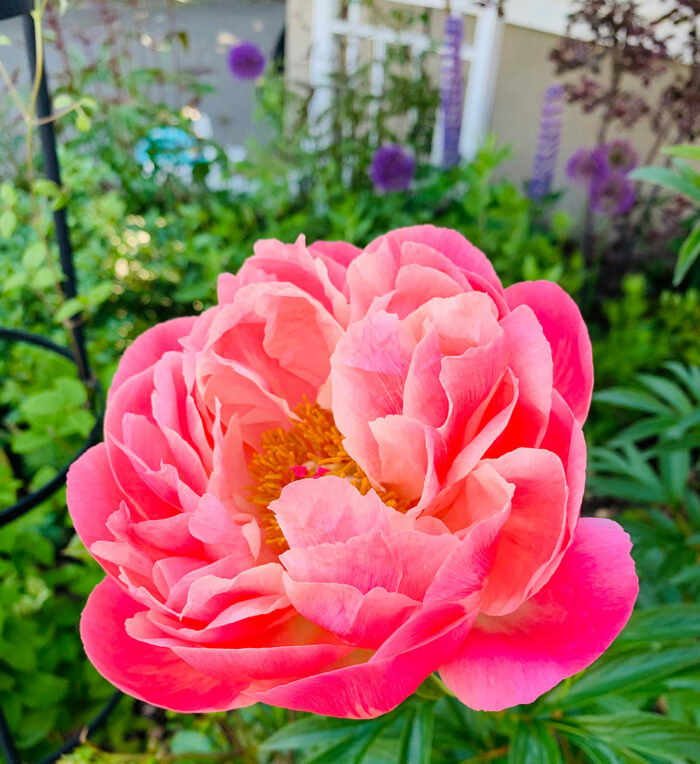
column 152, row 674
column 92, row 496
column 449, row 243
column 566, row 333
column 311, row 512
column 149, row 347
column 533, row 533
column 513, row 659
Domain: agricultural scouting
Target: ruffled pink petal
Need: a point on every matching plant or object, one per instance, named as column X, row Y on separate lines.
column 530, row 360
column 513, row 659
column 369, row 367
column 363, row 620
column 404, row 562
column 369, row 689
column 330, row 511
column 532, row 535
column 92, row 496
column 566, row 332
column 150, row 346
column 426, row 640
column 318, row 270
column 449, row 243
column 152, row 674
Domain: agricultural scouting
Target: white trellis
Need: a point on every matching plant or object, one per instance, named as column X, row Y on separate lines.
column 482, row 54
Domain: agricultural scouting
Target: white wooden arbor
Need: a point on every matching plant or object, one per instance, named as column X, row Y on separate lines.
column 329, row 25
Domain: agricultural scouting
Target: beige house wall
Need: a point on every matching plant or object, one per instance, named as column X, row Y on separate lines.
column 524, row 74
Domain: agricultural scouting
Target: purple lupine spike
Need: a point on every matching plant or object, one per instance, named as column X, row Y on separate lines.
column 452, row 89
column 547, row 142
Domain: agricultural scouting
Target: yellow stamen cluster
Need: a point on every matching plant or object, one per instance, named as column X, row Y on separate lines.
column 313, row 444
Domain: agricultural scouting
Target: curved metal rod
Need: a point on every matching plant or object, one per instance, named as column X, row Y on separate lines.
column 19, row 335
column 87, row 730
column 41, row 494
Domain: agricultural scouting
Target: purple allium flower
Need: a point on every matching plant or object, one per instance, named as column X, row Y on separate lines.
column 452, row 89
column 246, row 61
column 393, row 168
column 621, row 155
column 613, row 194
column 547, row 142
column 587, row 166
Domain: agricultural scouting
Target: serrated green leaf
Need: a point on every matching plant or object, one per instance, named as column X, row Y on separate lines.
column 645, row 733
column 533, row 742
column 665, row 623
column 622, row 672
column 310, row 731
column 417, row 737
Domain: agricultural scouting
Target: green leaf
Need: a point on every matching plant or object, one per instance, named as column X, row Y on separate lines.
column 663, row 176
column 622, row 672
column 8, row 194
column 5, row 40
column 687, row 255
column 307, row 732
column 69, row 309
column 417, row 737
column 8, row 222
column 683, row 150
column 632, row 399
column 645, row 733
column 665, row 623
column 190, row 741
column 533, row 742
column 33, row 256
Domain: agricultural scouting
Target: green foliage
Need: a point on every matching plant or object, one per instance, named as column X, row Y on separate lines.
column 683, row 180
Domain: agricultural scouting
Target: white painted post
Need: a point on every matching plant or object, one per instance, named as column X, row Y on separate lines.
column 322, row 62
column 483, row 71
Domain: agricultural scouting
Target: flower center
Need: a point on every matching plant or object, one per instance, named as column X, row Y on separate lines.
column 311, row 449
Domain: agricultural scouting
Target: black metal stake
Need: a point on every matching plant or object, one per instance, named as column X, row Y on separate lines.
column 52, row 170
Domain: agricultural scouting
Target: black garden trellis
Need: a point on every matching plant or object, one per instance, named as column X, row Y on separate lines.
column 76, row 353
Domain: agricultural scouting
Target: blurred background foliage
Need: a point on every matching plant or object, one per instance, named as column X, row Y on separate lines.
column 149, row 245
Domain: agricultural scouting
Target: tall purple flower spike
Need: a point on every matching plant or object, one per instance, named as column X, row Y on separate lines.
column 547, row 142
column 452, row 89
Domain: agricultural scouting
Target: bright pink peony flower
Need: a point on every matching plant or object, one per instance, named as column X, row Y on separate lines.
column 357, row 469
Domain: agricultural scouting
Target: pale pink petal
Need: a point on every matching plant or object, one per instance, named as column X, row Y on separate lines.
column 449, row 243
column 404, row 562
column 369, row 367
column 148, row 347
column 567, row 334
column 330, row 510
column 152, row 674
column 513, row 659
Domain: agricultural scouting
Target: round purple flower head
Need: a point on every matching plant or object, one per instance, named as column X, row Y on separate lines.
column 612, row 195
column 246, row 61
column 621, row 155
column 587, row 166
column 393, row 168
